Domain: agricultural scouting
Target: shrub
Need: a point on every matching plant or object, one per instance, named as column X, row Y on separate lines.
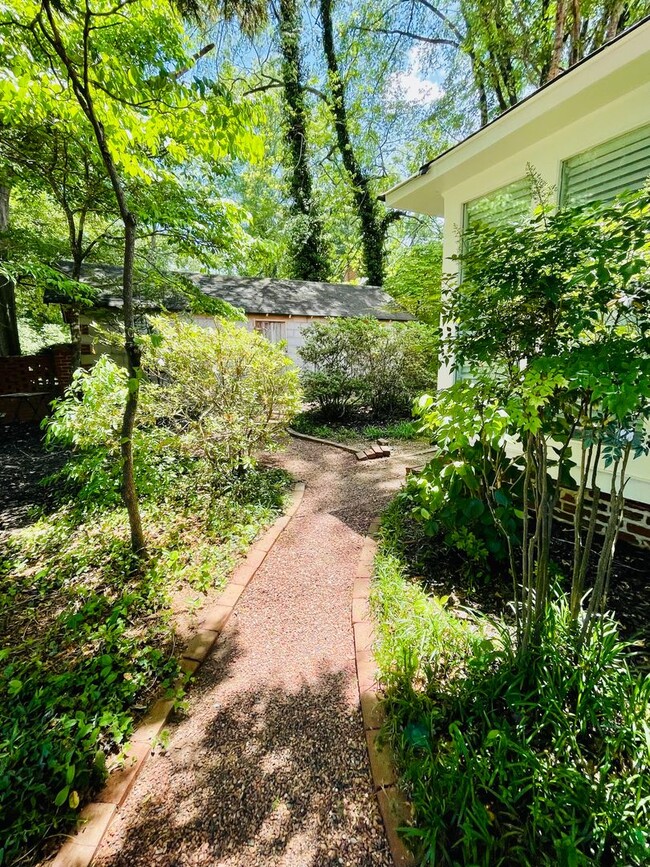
column 88, row 420
column 225, row 392
column 553, row 322
column 361, row 366
column 510, row 760
column 219, row 394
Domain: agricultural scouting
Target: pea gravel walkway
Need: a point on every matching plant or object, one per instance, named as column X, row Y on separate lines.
column 269, row 766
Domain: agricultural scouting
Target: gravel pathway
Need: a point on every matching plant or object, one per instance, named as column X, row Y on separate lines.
column 269, row 766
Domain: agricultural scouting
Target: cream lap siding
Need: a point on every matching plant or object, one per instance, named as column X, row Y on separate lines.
column 601, row 173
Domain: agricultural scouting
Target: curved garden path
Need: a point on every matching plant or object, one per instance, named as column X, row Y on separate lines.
column 269, row 766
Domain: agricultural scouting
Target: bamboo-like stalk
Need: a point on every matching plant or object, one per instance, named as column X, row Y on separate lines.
column 606, row 557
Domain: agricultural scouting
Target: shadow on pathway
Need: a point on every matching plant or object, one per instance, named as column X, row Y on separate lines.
column 269, row 767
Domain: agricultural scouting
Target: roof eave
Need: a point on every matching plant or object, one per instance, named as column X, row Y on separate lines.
column 407, row 194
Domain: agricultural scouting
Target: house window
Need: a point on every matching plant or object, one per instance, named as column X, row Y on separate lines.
column 600, row 174
column 274, row 330
column 506, row 206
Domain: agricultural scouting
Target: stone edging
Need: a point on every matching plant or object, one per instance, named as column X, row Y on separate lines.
column 395, row 809
column 79, row 849
column 370, row 453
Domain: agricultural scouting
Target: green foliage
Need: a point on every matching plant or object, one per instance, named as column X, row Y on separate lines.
column 87, row 634
column 361, row 366
column 553, row 323
column 33, row 339
column 308, row 423
column 509, row 760
column 308, row 258
column 449, row 498
column 414, row 279
column 224, row 392
column 418, row 639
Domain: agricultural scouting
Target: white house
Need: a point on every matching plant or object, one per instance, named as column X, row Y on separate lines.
column 587, row 133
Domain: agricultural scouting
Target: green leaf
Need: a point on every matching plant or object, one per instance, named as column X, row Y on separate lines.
column 15, row 686
column 62, row 797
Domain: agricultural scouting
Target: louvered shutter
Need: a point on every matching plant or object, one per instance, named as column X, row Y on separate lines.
column 600, row 174
column 507, row 206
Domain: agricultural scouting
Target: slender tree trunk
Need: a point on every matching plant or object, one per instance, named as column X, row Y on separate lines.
column 372, row 231
column 309, row 259
column 9, row 341
column 479, row 83
column 76, row 247
column 133, row 355
column 558, row 40
column 83, row 94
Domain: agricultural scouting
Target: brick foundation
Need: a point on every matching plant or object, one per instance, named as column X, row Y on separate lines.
column 50, row 372
column 635, row 528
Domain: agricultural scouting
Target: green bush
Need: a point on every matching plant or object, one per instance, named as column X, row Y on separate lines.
column 451, row 502
column 223, row 392
column 535, row 761
column 361, row 366
column 219, row 394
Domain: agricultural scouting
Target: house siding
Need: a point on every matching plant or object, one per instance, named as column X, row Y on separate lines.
column 546, row 155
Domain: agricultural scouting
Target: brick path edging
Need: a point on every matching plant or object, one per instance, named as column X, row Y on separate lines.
column 395, row 809
column 370, row 453
column 79, row 849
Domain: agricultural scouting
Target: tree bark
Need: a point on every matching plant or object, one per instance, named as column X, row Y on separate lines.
column 554, row 68
column 372, row 231
column 9, row 340
column 308, row 255
column 84, row 97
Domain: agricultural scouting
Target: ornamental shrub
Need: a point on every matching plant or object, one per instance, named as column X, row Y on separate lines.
column 221, row 394
column 360, row 366
column 224, row 392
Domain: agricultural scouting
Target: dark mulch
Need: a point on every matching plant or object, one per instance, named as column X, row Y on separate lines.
column 24, row 462
column 629, row 594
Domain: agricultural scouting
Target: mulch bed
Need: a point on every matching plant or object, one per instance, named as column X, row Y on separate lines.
column 629, row 597
column 24, row 462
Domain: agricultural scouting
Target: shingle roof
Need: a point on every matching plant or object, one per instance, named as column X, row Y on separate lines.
column 260, row 295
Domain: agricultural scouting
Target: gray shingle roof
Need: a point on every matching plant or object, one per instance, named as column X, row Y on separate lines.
column 260, row 295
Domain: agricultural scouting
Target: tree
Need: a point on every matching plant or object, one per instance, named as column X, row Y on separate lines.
column 120, row 77
column 553, row 320
column 9, row 342
column 308, row 255
column 504, row 49
column 373, row 221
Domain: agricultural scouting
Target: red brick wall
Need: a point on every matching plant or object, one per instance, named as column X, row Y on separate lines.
column 50, row 371
column 635, row 528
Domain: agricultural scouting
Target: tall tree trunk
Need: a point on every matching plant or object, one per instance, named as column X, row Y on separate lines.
column 372, row 231
column 308, row 255
column 76, row 246
column 84, row 97
column 554, row 68
column 9, row 341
